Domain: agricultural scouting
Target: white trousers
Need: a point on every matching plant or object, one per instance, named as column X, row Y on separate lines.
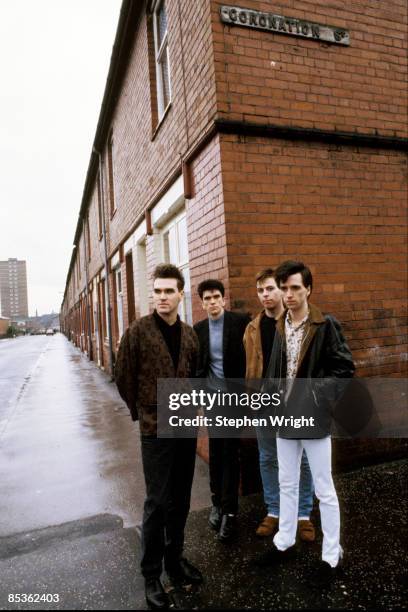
column 319, row 455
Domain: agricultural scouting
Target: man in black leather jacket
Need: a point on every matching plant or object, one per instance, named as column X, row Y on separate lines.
column 311, row 346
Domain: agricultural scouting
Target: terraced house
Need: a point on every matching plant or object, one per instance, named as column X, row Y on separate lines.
column 233, row 137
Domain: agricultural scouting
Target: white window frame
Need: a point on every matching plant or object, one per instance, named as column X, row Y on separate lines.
column 185, row 308
column 119, row 300
column 136, row 244
column 141, row 271
column 159, row 55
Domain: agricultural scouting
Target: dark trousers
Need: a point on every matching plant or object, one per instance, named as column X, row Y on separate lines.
column 168, row 467
column 224, row 473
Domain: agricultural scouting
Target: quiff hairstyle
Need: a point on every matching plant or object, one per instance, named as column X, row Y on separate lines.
column 264, row 274
column 289, row 267
column 169, row 271
column 211, row 284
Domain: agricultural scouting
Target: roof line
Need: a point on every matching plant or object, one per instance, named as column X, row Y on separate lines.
column 127, row 26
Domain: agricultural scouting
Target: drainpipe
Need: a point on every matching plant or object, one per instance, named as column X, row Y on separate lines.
column 88, row 307
column 106, row 267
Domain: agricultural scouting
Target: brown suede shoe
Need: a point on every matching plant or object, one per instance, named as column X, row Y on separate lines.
column 306, row 531
column 268, row 526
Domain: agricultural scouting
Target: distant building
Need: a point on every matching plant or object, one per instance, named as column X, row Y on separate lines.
column 13, row 289
column 4, row 325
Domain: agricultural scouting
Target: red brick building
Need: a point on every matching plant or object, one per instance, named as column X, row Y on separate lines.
column 232, row 138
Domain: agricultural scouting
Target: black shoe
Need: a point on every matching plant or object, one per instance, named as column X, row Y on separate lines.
column 228, row 527
column 274, row 557
column 156, row 597
column 215, row 518
column 324, row 575
column 184, row 573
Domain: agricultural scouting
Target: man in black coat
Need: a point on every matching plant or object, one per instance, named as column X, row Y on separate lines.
column 222, row 355
column 311, row 360
column 160, row 345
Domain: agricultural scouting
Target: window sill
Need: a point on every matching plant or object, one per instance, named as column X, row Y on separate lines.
column 158, row 126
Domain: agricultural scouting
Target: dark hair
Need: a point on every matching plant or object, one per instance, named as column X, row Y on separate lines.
column 211, row 284
column 264, row 274
column 287, row 268
column 169, row 271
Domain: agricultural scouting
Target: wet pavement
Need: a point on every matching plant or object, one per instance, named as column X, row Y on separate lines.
column 93, row 564
column 71, row 495
column 373, row 504
column 82, row 565
column 68, row 448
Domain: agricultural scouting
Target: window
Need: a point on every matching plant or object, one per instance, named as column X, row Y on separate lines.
column 162, row 57
column 142, row 284
column 130, row 287
column 118, row 302
column 91, row 312
column 97, row 322
column 112, row 204
column 175, row 251
column 95, row 309
column 103, row 304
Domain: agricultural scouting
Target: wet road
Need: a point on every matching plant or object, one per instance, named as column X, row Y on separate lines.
column 68, row 448
column 19, row 358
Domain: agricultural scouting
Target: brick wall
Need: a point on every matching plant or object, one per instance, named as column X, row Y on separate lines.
column 206, row 224
column 265, row 77
column 242, row 74
column 146, row 154
column 143, row 162
column 340, row 209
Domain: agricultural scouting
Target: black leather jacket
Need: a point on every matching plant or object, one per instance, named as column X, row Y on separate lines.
column 325, row 363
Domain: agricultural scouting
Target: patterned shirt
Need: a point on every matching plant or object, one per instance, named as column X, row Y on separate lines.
column 294, row 333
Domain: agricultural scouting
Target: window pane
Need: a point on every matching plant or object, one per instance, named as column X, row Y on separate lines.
column 164, row 67
column 166, row 247
column 161, row 24
column 173, row 246
column 182, row 240
column 170, row 246
column 120, row 316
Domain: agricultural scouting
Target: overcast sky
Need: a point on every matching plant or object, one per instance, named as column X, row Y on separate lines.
column 54, row 62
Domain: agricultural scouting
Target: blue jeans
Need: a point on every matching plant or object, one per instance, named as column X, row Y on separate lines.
column 268, row 463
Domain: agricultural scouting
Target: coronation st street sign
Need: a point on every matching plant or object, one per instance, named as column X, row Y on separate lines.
column 233, row 15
